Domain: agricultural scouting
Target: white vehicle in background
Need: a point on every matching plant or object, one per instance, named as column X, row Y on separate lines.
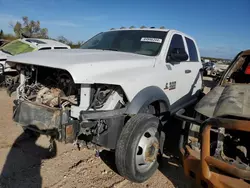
column 3, row 42
column 19, row 46
column 116, row 92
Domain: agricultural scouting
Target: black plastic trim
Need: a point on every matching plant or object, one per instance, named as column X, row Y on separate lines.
column 108, row 139
column 179, row 115
column 145, row 97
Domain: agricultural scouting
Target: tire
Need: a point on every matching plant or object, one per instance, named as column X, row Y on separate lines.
column 140, row 134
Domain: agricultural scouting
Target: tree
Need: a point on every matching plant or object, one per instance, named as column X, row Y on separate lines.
column 9, row 37
column 29, row 28
column 62, row 39
column 1, row 34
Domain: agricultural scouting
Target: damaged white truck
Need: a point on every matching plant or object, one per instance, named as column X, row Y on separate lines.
column 116, row 92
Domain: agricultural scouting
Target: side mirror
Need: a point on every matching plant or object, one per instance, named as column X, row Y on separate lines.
column 178, row 55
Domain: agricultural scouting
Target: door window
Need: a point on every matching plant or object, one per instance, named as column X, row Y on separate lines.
column 192, row 50
column 176, row 43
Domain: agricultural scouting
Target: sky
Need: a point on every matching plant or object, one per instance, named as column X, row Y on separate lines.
column 220, row 27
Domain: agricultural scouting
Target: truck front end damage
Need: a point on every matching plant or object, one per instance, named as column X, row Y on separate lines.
column 48, row 101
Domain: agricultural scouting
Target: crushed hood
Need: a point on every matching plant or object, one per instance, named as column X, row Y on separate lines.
column 230, row 100
column 85, row 65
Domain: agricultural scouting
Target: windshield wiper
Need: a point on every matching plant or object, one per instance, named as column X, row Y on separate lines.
column 6, row 52
column 111, row 49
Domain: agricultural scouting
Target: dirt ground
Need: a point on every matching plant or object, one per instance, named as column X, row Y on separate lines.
column 27, row 163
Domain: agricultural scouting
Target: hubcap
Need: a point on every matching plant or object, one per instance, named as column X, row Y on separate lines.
column 147, row 150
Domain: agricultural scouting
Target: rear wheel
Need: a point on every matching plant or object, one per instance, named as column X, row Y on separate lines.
column 138, row 147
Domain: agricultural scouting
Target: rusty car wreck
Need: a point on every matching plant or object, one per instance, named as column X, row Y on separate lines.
column 215, row 145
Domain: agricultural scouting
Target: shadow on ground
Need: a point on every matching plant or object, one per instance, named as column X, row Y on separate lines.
column 108, row 157
column 171, row 165
column 23, row 163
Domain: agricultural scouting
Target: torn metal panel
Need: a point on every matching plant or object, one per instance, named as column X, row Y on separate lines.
column 231, row 100
column 207, row 104
column 27, row 113
column 234, row 101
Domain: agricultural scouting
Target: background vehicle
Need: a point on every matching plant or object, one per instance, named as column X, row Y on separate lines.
column 116, row 92
column 208, row 68
column 19, row 46
column 3, row 42
column 215, row 146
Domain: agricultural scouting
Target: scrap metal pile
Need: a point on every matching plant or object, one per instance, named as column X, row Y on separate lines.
column 215, row 145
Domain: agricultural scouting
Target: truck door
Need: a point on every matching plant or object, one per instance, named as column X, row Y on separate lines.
column 177, row 74
column 194, row 65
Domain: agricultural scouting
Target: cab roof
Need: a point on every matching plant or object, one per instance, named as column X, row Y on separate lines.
column 141, row 28
column 163, row 29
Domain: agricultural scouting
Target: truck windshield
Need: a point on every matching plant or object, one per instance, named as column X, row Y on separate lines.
column 16, row 47
column 144, row 42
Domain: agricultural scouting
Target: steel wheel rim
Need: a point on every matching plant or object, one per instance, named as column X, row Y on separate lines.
column 147, row 150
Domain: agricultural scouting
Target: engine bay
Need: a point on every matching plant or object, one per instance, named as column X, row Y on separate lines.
column 50, row 87
column 56, row 88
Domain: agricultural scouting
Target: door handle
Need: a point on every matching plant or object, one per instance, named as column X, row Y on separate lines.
column 187, row 71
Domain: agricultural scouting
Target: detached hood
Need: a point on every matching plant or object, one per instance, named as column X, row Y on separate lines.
column 84, row 65
column 230, row 100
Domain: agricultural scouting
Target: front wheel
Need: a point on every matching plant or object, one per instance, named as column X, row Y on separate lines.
column 138, row 147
